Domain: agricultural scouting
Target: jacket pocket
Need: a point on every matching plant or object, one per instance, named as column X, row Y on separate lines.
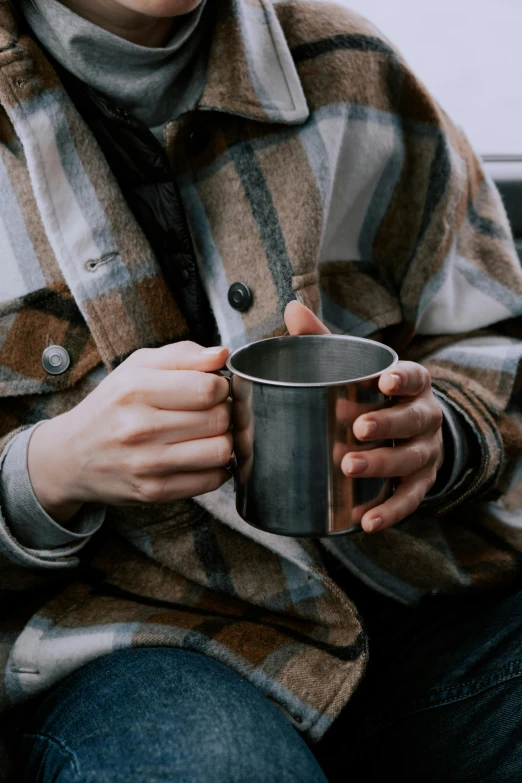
column 306, row 289
column 358, row 297
column 31, row 323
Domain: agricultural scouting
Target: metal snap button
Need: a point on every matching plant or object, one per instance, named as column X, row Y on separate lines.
column 184, row 276
column 55, row 360
column 239, row 297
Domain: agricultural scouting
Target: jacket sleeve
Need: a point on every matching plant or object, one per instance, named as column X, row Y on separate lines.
column 27, row 520
column 460, row 445
column 460, row 287
column 23, row 567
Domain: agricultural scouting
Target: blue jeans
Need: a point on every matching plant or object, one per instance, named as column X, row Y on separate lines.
column 162, row 716
column 441, row 703
column 442, row 698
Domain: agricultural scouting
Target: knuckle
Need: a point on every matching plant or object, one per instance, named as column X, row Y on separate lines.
column 137, row 465
column 223, row 450
column 418, row 418
column 424, row 377
column 434, row 454
column 419, row 377
column 421, row 493
column 219, row 420
column 415, row 496
column 186, row 346
column 438, row 416
column 128, row 387
column 418, row 456
column 131, row 431
column 430, row 480
column 207, row 387
column 149, row 491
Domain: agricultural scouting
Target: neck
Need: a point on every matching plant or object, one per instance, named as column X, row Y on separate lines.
column 124, row 22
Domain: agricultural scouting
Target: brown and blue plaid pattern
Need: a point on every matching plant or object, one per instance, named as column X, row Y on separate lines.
column 330, row 176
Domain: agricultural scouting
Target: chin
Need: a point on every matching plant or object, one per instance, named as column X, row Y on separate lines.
column 161, row 8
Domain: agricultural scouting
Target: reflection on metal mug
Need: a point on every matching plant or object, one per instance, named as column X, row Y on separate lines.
column 294, row 403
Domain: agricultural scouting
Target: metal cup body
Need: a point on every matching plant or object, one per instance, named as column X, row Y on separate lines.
column 295, row 400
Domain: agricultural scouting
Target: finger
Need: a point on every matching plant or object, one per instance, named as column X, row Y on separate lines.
column 347, row 411
column 388, row 462
column 300, row 320
column 408, row 496
column 385, row 492
column 182, row 390
column 241, row 414
column 184, row 355
column 196, row 455
column 339, row 452
column 243, row 444
column 403, row 420
column 170, row 427
column 177, row 486
column 405, row 379
column 341, row 449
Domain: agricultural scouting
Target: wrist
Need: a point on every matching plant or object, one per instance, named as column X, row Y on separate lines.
column 51, row 472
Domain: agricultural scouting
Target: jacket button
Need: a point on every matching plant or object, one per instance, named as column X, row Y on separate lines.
column 184, row 276
column 239, row 297
column 55, row 360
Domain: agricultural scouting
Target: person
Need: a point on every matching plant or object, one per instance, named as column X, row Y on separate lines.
column 180, row 178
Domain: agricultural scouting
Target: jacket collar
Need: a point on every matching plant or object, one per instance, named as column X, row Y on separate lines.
column 250, row 70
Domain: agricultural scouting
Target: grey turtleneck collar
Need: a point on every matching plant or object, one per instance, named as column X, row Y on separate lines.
column 153, row 84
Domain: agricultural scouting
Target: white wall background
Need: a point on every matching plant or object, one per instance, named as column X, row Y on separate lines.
column 469, row 54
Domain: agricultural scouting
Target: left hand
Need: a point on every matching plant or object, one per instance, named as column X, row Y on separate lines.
column 415, row 420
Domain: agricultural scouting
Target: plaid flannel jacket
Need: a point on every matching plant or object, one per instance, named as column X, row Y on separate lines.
column 331, row 176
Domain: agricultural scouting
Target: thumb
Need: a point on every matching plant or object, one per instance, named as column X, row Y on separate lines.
column 300, row 320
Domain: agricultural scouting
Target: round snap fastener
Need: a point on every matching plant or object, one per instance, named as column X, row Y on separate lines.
column 184, row 276
column 239, row 297
column 55, row 360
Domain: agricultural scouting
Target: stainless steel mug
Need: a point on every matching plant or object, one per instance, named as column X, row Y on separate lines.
column 294, row 403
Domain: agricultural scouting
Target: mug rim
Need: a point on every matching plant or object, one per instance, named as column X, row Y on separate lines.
column 345, row 337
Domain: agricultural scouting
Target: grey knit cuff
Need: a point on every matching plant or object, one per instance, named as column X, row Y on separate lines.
column 27, row 520
column 460, row 445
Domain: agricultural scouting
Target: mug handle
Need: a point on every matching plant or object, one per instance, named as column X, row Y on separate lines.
column 225, row 373
column 232, row 465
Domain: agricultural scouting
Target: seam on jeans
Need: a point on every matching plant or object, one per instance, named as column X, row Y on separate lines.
column 480, row 688
column 61, row 747
column 482, row 685
column 508, row 669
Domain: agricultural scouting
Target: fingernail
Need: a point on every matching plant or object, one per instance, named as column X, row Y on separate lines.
column 355, row 465
column 370, row 429
column 374, row 525
column 396, row 381
column 212, row 351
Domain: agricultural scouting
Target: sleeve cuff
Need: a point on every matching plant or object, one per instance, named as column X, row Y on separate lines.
column 27, row 520
column 460, row 445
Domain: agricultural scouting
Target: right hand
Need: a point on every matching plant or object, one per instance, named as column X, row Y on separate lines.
column 153, row 431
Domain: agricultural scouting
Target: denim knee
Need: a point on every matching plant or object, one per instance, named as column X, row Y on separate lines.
column 163, row 715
